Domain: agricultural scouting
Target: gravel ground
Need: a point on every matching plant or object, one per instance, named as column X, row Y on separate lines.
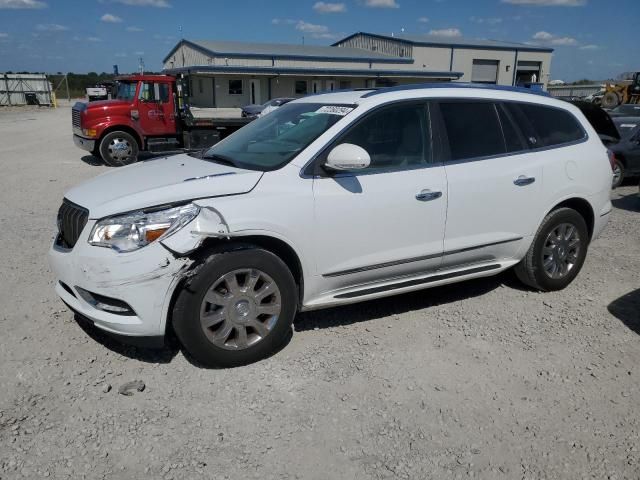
column 483, row 379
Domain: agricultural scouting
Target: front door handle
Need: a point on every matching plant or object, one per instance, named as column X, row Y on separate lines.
column 426, row 195
column 522, row 181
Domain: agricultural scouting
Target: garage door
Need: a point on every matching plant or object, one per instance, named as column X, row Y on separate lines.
column 529, row 67
column 485, row 71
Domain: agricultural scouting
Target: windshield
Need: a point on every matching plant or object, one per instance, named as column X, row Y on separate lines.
column 274, row 140
column 126, row 90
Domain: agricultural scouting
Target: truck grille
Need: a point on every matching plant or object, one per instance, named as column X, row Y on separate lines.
column 75, row 118
column 72, row 219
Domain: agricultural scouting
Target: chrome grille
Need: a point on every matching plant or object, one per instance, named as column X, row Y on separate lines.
column 72, row 219
column 75, row 118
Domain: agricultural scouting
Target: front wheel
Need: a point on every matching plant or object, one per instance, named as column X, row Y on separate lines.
column 610, row 100
column 118, row 149
column 238, row 309
column 557, row 253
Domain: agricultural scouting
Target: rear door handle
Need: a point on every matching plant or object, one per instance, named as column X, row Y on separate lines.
column 521, row 181
column 426, row 195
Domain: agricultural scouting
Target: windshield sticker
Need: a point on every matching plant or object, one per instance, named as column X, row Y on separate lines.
column 334, row 110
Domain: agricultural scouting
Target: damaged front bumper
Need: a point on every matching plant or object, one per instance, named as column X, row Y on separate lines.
column 121, row 293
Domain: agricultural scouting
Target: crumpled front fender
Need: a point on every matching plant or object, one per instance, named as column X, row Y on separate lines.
column 209, row 223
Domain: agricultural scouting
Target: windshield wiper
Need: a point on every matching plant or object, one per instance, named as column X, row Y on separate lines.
column 219, row 159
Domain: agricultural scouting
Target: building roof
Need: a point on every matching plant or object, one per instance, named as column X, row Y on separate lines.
column 428, row 40
column 286, row 51
column 318, row 71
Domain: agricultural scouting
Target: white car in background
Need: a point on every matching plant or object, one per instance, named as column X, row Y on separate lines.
column 334, row 199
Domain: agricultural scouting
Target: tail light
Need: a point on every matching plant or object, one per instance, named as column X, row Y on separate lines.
column 612, row 160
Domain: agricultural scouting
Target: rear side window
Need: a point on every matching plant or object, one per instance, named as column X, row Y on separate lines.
column 512, row 138
column 473, row 129
column 552, row 126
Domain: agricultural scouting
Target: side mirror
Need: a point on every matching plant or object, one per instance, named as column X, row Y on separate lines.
column 347, row 157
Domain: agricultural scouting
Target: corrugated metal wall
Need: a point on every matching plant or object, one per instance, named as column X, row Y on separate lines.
column 13, row 87
column 374, row 44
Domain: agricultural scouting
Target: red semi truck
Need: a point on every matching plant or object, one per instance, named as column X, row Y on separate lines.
column 147, row 113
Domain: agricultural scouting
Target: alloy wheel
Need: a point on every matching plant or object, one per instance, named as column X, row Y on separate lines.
column 561, row 250
column 240, row 309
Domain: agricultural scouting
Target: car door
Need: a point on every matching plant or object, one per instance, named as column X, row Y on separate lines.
column 388, row 219
column 155, row 108
column 632, row 152
column 494, row 183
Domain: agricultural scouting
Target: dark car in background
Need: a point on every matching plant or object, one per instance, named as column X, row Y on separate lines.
column 627, row 110
column 623, row 146
column 600, row 120
column 627, row 149
column 254, row 111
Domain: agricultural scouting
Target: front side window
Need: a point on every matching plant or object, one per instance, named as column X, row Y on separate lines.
column 154, row 92
column 395, row 137
column 273, row 140
column 552, row 126
column 473, row 129
column 235, row 87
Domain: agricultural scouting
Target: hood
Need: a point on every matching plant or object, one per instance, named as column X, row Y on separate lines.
column 107, row 103
column 253, row 108
column 160, row 181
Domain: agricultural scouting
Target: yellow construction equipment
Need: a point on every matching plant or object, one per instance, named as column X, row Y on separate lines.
column 621, row 93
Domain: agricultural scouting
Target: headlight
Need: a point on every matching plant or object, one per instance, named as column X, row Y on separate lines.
column 134, row 230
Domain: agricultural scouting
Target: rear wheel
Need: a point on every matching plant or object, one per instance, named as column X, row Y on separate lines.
column 557, row 253
column 118, row 149
column 238, row 309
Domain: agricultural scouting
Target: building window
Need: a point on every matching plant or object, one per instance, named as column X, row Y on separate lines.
column 235, row 87
column 301, row 87
column 345, row 84
column 200, row 86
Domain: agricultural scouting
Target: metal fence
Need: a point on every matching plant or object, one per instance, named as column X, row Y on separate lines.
column 574, row 91
column 25, row 89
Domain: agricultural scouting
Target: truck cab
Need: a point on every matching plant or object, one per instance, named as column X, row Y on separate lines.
column 147, row 113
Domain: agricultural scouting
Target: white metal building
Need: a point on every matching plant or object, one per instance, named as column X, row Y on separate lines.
column 25, row 89
column 233, row 74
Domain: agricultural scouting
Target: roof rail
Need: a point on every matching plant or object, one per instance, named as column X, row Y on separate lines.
column 462, row 85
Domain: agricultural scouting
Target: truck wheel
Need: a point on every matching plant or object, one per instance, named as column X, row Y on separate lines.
column 118, row 149
column 237, row 309
column 610, row 100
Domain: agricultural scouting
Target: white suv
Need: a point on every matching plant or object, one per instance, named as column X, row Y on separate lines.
column 332, row 199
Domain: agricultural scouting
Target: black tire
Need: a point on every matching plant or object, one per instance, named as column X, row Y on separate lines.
column 118, row 149
column 531, row 270
column 187, row 310
column 618, row 179
column 610, row 100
